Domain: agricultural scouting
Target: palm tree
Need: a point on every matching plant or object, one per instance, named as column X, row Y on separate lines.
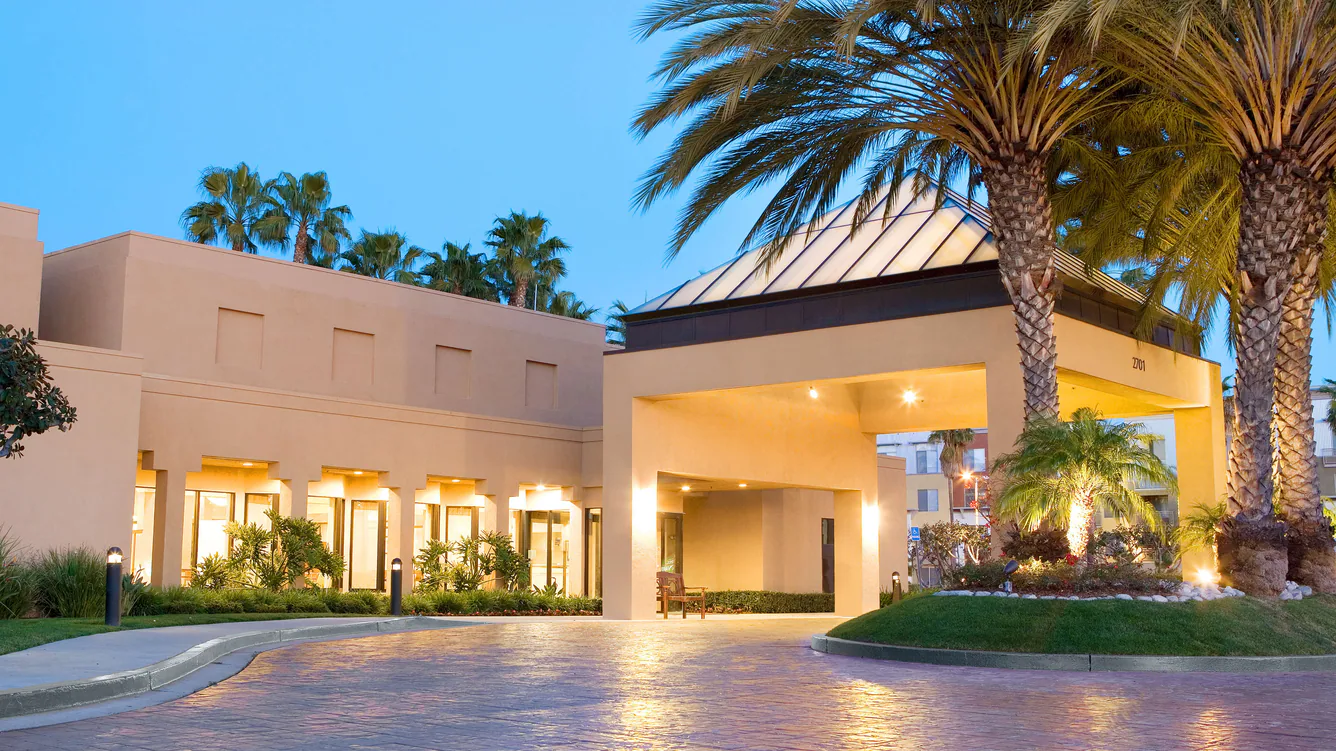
column 1254, row 75
column 383, row 255
column 232, row 205
column 459, row 271
column 616, row 318
column 807, row 91
column 1065, row 473
column 525, row 255
column 952, row 457
column 302, row 203
column 565, row 303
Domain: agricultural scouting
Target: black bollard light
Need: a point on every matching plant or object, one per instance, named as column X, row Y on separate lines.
column 396, row 587
column 113, row 610
column 896, row 592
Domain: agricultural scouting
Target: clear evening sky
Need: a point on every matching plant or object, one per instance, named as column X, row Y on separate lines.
column 431, row 118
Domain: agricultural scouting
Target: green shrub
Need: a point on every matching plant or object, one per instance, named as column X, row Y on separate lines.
column 70, row 583
column 16, row 595
column 1049, row 545
column 359, row 603
column 758, row 601
column 1037, row 577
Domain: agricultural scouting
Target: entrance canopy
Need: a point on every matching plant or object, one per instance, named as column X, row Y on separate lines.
column 785, row 377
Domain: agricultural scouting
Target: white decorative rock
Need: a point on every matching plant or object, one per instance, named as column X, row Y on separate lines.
column 1029, row 597
column 1073, row 597
column 999, row 593
column 1122, row 597
column 1048, row 597
column 1159, row 598
column 1012, row 594
column 1144, row 598
column 1306, row 590
column 983, row 594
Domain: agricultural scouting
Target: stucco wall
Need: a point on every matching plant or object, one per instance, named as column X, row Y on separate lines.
column 212, row 314
column 76, row 488
column 21, row 259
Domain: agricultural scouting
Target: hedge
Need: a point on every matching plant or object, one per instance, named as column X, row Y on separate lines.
column 188, row 600
column 759, row 601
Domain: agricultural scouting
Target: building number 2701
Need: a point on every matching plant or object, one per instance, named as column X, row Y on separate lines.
column 1138, row 363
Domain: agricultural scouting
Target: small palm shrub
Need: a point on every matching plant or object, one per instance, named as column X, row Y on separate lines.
column 214, row 572
column 70, row 583
column 16, row 595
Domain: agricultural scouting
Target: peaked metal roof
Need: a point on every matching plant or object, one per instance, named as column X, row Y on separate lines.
column 915, row 235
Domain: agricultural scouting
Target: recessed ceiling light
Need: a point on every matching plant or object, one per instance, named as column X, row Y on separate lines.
column 742, row 485
column 812, row 392
column 357, row 471
column 686, row 488
column 248, row 464
column 910, row 396
column 541, row 487
column 455, row 480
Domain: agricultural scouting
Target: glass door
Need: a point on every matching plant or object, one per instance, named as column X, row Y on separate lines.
column 461, row 523
column 548, row 547
column 670, row 542
column 141, row 545
column 827, row 555
column 366, row 546
column 327, row 513
column 594, row 552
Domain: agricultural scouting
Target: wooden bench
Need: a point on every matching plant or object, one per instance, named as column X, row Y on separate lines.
column 671, row 589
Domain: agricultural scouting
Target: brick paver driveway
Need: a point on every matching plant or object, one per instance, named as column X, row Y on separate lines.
column 692, row 685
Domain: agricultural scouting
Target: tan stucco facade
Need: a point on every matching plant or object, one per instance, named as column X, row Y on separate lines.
column 213, row 385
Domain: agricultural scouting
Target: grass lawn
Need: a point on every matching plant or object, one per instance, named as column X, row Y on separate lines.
column 1234, row 626
column 30, row 632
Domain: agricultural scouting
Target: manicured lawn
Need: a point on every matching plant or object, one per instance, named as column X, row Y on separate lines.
column 1236, row 626
column 31, row 632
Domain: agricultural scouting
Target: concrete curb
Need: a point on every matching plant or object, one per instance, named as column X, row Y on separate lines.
column 50, row 697
column 1082, row 663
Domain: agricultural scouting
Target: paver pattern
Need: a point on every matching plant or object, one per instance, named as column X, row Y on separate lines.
column 692, row 685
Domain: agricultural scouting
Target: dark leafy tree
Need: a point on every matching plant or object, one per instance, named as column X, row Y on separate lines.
column 30, row 403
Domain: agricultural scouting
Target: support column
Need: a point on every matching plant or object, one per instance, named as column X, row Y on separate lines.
column 893, row 547
column 496, row 510
column 1199, row 434
column 169, row 516
column 575, row 570
column 292, row 497
column 773, row 553
column 630, row 505
column 1005, row 386
column 857, row 574
column 400, row 544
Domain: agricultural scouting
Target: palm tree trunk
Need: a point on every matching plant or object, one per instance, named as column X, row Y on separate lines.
column 300, row 245
column 1274, row 219
column 1080, row 525
column 1312, row 553
column 1023, row 225
column 520, row 293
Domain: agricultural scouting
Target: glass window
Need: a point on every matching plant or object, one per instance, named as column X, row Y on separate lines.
column 670, row 542
column 921, row 462
column 426, row 525
column 212, row 513
column 461, row 523
column 538, row 547
column 366, row 549
column 927, row 499
column 258, row 506
column 594, row 552
column 548, row 547
column 141, row 544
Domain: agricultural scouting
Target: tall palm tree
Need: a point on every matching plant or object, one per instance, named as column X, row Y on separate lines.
column 383, row 255
column 459, row 271
column 1064, row 473
column 952, row 457
column 1256, row 75
column 525, row 255
column 565, row 303
column 806, row 92
column 232, row 206
column 302, row 204
column 616, row 319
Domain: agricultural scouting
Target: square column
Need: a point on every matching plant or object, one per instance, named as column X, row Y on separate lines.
column 857, row 573
column 400, row 544
column 630, row 506
column 1005, row 387
column 1200, row 436
column 169, row 517
column 292, row 497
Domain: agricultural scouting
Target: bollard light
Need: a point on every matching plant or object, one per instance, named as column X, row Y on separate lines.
column 896, row 592
column 396, row 587
column 113, row 609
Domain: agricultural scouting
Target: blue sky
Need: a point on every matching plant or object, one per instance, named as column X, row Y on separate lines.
column 431, row 118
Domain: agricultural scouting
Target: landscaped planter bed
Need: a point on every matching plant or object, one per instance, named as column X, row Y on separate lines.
column 1238, row 626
